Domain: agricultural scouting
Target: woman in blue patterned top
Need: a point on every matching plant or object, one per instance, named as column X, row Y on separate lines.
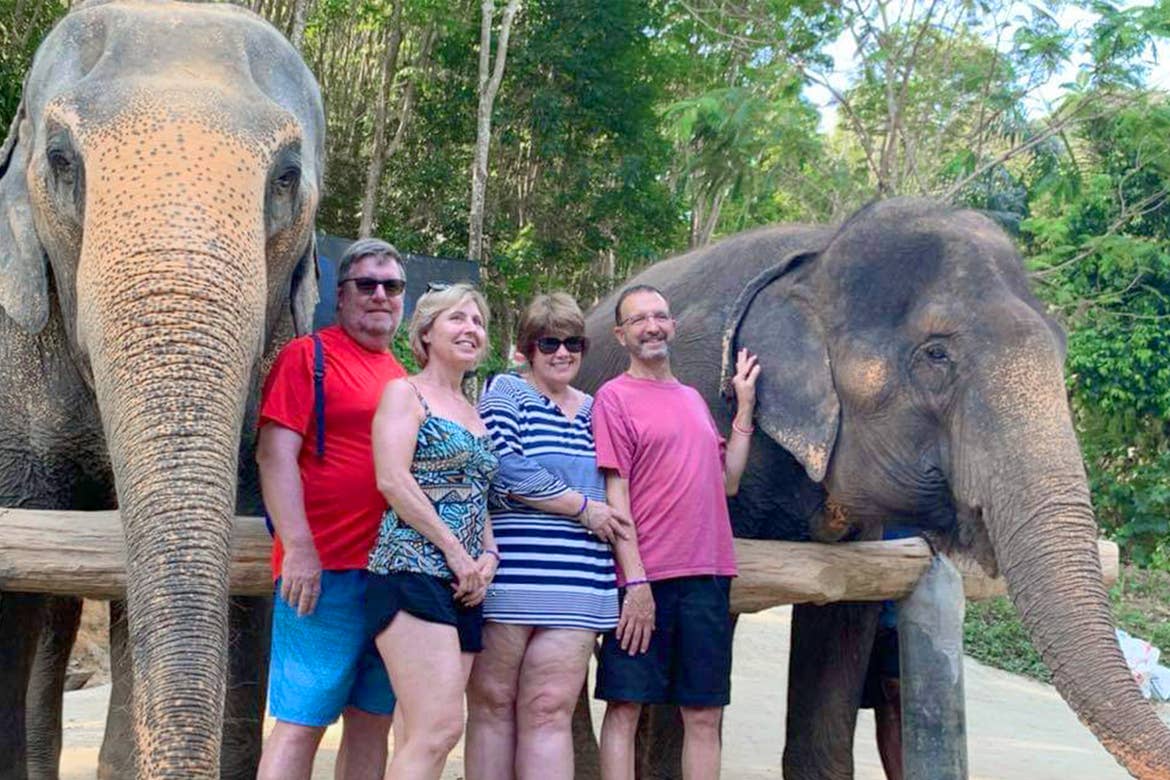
column 435, row 553
column 556, row 587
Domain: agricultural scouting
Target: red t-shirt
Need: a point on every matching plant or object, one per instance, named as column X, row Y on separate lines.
column 660, row 436
column 342, row 502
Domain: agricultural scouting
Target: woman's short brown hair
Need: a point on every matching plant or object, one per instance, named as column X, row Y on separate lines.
column 431, row 305
column 554, row 314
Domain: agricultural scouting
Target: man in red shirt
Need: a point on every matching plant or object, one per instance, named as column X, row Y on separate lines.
column 325, row 507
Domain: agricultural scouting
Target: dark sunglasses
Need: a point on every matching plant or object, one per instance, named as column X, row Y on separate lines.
column 548, row 345
column 366, row 285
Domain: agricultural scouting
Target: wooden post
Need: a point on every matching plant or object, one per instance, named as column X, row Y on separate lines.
column 930, row 653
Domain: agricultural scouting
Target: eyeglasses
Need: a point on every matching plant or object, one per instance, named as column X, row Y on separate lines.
column 637, row 320
column 366, row 285
column 548, row 345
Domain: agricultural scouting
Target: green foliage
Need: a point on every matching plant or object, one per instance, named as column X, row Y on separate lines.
column 1099, row 241
column 993, row 634
column 22, row 26
column 401, row 349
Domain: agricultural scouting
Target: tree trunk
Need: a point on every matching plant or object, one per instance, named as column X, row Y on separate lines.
column 374, row 169
column 488, row 87
column 300, row 12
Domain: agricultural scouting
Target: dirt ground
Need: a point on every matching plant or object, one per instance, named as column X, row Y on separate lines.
column 1018, row 729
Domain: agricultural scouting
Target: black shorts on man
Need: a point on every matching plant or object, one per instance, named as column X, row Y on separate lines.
column 689, row 660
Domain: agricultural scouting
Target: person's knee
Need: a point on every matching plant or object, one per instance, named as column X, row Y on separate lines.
column 623, row 715
column 702, row 719
column 491, row 698
column 548, row 707
column 444, row 734
column 294, row 735
column 289, row 747
column 365, row 726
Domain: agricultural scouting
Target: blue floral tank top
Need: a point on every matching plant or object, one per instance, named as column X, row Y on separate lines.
column 453, row 467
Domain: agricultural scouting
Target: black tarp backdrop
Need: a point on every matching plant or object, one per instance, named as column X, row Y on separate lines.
column 420, row 271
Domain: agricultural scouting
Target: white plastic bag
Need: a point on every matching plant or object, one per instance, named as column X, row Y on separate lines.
column 1142, row 658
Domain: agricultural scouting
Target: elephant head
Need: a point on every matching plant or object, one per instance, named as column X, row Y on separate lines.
column 910, row 371
column 158, row 188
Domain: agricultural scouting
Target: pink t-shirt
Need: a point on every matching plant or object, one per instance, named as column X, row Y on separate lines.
column 661, row 437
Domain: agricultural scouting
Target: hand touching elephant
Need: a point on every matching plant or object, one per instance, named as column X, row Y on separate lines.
column 158, row 189
column 908, row 376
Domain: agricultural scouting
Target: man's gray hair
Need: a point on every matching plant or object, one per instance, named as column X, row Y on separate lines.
column 367, row 247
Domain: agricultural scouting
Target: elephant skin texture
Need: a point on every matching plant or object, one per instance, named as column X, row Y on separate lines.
column 909, row 377
column 158, row 189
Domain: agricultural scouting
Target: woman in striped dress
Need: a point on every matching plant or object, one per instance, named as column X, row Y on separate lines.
column 555, row 589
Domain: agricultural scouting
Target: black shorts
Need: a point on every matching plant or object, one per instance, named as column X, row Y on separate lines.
column 883, row 666
column 427, row 598
column 689, row 660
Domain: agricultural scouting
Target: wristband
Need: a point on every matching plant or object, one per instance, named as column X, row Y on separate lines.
column 639, row 581
column 489, row 551
column 736, row 427
column 584, row 506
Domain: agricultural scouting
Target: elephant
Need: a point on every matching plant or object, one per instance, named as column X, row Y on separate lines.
column 158, row 187
column 910, row 377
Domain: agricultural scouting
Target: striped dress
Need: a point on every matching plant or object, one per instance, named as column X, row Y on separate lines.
column 553, row 573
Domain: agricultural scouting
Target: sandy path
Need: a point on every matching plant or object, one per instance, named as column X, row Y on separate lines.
column 1018, row 729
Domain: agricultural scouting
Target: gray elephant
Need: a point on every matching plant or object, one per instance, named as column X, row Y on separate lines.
column 158, row 190
column 909, row 376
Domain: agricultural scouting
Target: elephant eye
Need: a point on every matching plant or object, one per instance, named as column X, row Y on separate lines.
column 936, row 353
column 288, row 179
column 60, row 161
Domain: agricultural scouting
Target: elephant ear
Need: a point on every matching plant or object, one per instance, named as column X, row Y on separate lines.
column 24, row 284
column 796, row 403
column 303, row 294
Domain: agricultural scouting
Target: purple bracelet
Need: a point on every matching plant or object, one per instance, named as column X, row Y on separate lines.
column 584, row 504
column 641, row 581
column 489, row 551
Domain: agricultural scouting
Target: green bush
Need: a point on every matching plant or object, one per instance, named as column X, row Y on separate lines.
column 994, row 635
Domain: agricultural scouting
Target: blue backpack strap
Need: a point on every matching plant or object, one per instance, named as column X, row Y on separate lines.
column 319, row 392
column 318, row 409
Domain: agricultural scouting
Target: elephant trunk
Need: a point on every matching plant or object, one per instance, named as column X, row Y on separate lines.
column 171, row 312
column 173, row 412
column 1023, row 469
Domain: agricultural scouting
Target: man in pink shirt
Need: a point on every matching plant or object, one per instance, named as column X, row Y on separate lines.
column 669, row 468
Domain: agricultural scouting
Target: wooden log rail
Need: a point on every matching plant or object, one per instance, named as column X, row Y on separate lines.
column 83, row 553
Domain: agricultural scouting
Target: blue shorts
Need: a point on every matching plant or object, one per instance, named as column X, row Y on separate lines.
column 689, row 660
column 326, row 661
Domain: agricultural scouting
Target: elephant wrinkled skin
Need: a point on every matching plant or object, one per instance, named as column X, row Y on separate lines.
column 158, row 189
column 908, row 377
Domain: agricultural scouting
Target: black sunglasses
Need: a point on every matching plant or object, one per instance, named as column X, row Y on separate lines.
column 548, row 345
column 366, row 285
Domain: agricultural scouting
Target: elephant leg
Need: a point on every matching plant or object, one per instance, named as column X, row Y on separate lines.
column 586, row 757
column 249, row 625
column 659, row 743
column 47, row 686
column 826, row 672
column 117, row 759
column 21, row 617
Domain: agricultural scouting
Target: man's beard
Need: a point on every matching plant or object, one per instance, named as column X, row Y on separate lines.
column 656, row 349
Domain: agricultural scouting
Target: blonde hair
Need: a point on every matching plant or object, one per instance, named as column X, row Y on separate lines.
column 554, row 314
column 431, row 305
